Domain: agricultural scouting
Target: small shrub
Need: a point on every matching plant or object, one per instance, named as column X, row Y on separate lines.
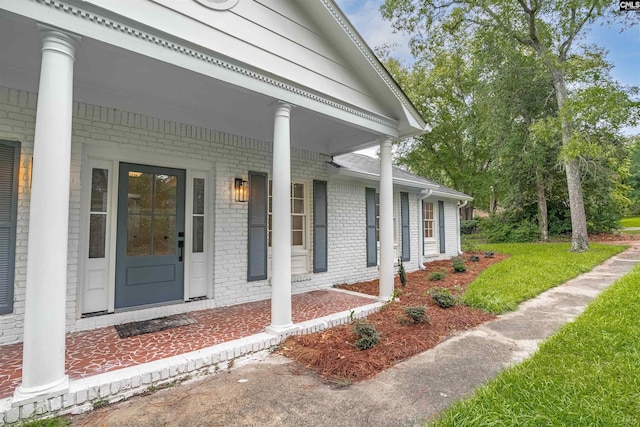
column 402, row 273
column 474, row 258
column 458, row 265
column 437, row 275
column 489, row 254
column 443, row 297
column 418, row 314
column 367, row 335
column 468, row 244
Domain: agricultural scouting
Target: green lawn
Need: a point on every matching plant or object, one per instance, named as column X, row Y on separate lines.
column 533, row 268
column 587, row 374
column 633, row 221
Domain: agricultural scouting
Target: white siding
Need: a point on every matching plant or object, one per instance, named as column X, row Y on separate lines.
column 276, row 36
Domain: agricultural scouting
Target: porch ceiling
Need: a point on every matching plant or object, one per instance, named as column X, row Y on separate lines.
column 113, row 77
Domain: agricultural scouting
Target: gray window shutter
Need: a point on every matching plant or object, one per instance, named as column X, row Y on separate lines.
column 320, row 247
column 9, row 170
column 441, row 226
column 372, row 244
column 404, row 217
column 258, row 204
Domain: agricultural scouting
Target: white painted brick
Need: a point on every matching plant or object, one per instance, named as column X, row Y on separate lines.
column 68, row 400
column 146, row 378
column 41, row 408
column 136, row 381
column 27, row 410
column 115, row 387
column 231, row 156
column 55, row 403
column 105, row 390
column 12, row 415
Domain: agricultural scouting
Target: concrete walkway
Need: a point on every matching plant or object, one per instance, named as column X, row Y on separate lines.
column 271, row 391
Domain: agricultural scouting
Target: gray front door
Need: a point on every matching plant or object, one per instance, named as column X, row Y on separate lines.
column 150, row 241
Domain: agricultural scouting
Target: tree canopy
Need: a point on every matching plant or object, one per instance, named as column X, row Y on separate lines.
column 539, row 91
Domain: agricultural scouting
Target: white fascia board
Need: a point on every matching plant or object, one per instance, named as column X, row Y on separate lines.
column 415, row 120
column 444, row 195
column 368, row 176
column 112, row 30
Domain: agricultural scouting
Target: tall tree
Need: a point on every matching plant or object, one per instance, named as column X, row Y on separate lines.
column 548, row 28
column 442, row 87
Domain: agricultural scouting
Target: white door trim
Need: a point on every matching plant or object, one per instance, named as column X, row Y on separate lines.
column 108, row 158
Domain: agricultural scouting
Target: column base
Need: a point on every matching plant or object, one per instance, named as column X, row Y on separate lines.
column 24, row 395
column 281, row 330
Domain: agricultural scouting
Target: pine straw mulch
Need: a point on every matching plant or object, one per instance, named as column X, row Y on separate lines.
column 333, row 356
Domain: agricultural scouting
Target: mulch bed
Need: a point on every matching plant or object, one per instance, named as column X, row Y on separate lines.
column 332, row 355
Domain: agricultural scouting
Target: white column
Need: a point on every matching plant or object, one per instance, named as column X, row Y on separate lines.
column 43, row 369
column 281, row 223
column 386, row 220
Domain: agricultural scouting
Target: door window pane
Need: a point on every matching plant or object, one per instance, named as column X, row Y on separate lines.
column 151, row 224
column 140, row 192
column 165, row 194
column 164, row 235
column 98, row 212
column 198, row 234
column 198, row 196
column 97, row 233
column 138, row 235
column 99, row 187
column 198, row 215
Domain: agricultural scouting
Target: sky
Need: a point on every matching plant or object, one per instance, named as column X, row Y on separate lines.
column 623, row 47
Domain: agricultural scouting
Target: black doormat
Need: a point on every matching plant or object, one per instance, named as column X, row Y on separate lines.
column 154, row 325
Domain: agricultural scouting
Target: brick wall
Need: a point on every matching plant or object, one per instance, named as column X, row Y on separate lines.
column 230, row 156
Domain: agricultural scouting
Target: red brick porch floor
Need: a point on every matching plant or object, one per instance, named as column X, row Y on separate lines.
column 102, row 350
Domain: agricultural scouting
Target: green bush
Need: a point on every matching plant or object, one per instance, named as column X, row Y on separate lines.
column 443, row 297
column 368, row 336
column 469, row 226
column 418, row 314
column 474, row 258
column 437, row 275
column 458, row 264
column 500, row 229
column 402, row 273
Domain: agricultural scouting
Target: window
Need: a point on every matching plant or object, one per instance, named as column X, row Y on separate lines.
column 298, row 215
column 98, row 212
column 395, row 230
column 198, row 216
column 427, row 219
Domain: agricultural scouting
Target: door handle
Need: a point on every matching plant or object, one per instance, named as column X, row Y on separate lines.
column 181, row 246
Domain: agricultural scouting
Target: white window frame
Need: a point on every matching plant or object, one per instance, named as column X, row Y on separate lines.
column 429, row 244
column 300, row 254
column 396, row 214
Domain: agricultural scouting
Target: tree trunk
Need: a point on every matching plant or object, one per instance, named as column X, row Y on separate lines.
column 493, row 202
column 543, row 218
column 467, row 211
column 579, row 238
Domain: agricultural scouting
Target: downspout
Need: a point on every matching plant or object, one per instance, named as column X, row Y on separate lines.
column 460, row 206
column 423, row 195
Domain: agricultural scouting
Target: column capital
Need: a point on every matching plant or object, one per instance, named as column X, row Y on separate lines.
column 282, row 108
column 59, row 41
column 386, row 140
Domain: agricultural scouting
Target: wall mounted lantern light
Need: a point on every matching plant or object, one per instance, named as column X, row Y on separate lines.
column 240, row 190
